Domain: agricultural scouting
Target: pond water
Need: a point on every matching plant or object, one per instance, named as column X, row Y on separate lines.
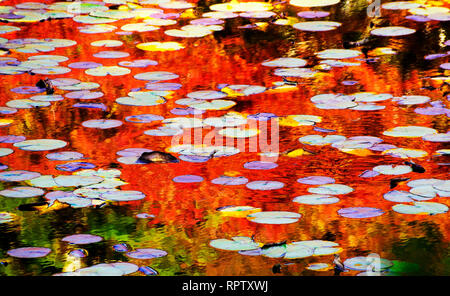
column 182, row 208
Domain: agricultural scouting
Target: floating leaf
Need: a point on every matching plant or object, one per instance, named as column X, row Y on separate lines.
column 82, row 239
column 228, row 180
column 274, row 217
column 146, row 254
column 40, row 144
column 392, row 31
column 316, row 26
column 260, row 165
column 122, row 195
column 363, row 263
column 22, row 192
column 316, row 199
column 409, row 131
column 360, row 212
column 316, row 180
column 265, row 185
column 70, row 181
column 29, row 252
column 187, row 179
column 333, row 189
column 392, row 170
column 421, row 208
column 102, row 123
column 18, row 176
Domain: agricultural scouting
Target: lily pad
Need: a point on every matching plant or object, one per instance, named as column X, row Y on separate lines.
column 40, row 144
column 392, row 31
column 187, row 179
column 317, row 26
column 18, row 176
column 146, row 253
column 260, row 165
column 228, row 180
column 316, row 180
column 265, row 185
column 102, row 123
column 274, row 217
column 421, row 208
column 332, row 189
column 360, row 212
column 409, row 131
column 363, row 263
column 123, row 195
column 316, row 199
column 392, row 170
column 29, row 252
column 22, row 192
column 82, row 239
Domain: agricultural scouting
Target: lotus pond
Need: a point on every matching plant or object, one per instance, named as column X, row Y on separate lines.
column 166, row 137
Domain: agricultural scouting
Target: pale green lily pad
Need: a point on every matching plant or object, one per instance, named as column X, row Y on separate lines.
column 213, row 105
column 123, row 195
column 26, row 104
column 44, row 181
column 392, row 170
column 112, row 14
column 86, row 19
column 5, row 151
column 294, row 251
column 295, row 72
column 80, row 86
column 443, row 186
column 331, row 189
column 369, row 97
column 423, row 182
column 317, row 26
column 156, row 76
column 226, row 121
column 47, row 98
column 22, row 192
column 321, row 140
column 75, row 181
column 108, row 70
column 139, row 27
column 99, row 28
column 274, row 252
column 392, row 31
column 409, row 131
column 285, row 62
column 183, row 122
column 338, row 54
column 274, row 217
column 40, row 144
column 427, row 191
column 151, row 100
column 422, row 208
column 50, row 57
column 51, row 70
column 405, row 153
column 107, row 43
column 236, row 244
column 363, row 263
column 316, row 199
